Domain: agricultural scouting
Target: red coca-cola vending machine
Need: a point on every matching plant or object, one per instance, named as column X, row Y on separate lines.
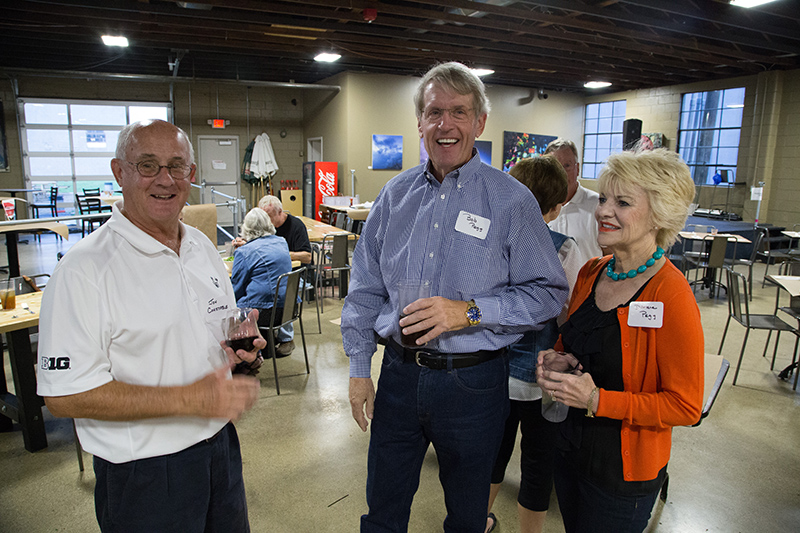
column 320, row 178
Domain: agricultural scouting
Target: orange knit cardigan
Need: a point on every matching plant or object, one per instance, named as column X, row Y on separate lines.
column 662, row 370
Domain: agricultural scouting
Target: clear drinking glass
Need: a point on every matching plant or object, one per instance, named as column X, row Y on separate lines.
column 241, row 329
column 564, row 363
column 409, row 291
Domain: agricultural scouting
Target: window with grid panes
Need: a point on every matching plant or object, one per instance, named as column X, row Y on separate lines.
column 70, row 144
column 602, row 135
column 709, row 132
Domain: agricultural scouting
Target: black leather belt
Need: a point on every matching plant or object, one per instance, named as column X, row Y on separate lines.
column 439, row 361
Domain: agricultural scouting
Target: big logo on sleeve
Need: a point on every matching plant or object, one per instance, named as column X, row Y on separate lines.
column 55, row 363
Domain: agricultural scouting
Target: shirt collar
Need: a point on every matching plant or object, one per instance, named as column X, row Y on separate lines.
column 463, row 173
column 120, row 224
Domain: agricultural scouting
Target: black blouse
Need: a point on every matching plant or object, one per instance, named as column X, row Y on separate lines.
column 593, row 446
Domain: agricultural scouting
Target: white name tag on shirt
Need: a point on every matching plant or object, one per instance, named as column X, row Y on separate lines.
column 646, row 314
column 473, row 224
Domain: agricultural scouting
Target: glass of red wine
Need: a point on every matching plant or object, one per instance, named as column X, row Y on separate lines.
column 409, row 291
column 241, row 329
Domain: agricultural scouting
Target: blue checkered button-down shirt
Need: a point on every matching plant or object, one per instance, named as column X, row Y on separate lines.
column 513, row 274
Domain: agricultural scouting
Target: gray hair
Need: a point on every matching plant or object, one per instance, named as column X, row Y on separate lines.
column 666, row 181
column 560, row 143
column 457, row 78
column 270, row 201
column 256, row 224
column 126, row 136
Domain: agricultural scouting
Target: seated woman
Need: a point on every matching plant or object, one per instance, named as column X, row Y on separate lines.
column 634, row 326
column 256, row 267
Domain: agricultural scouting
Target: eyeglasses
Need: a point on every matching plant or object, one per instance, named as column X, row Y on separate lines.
column 457, row 114
column 150, row 168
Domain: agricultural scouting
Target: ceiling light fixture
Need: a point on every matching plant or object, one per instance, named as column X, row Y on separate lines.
column 327, row 57
column 482, row 71
column 115, row 40
column 749, row 3
column 597, row 84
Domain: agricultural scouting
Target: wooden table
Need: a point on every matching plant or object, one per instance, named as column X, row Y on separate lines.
column 790, row 284
column 24, row 407
column 13, row 227
column 110, row 200
column 317, row 230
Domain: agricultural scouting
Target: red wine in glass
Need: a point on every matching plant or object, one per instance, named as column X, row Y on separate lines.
column 245, row 343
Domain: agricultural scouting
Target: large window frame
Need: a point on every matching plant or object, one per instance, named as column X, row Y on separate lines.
column 603, row 128
column 70, row 143
column 709, row 133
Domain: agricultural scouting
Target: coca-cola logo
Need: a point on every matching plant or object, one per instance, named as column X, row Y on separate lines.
column 326, row 183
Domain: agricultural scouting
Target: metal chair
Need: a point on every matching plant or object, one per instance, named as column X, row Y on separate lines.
column 291, row 311
column 739, row 310
column 89, row 205
column 734, row 262
column 332, row 257
column 769, row 255
column 711, row 262
column 790, row 268
column 92, row 192
column 52, row 205
column 308, row 285
column 697, row 248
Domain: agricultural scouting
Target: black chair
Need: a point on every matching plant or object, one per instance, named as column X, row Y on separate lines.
column 52, row 205
column 790, row 268
column 291, row 311
column 332, row 257
column 89, row 206
column 711, row 261
column 748, row 262
column 739, row 310
column 92, row 192
column 769, row 255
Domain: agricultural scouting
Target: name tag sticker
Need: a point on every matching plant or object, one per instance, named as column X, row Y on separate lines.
column 473, row 225
column 646, row 314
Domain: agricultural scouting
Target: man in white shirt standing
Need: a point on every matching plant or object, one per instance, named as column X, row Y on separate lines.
column 134, row 317
column 577, row 216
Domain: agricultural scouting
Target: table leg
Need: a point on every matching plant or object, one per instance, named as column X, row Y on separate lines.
column 7, row 401
column 29, row 403
column 13, row 254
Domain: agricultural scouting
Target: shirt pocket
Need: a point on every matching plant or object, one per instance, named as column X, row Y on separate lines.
column 466, row 269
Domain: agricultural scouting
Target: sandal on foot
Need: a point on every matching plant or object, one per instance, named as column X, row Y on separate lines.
column 493, row 518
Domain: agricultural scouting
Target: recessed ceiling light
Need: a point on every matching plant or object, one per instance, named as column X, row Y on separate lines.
column 735, row 106
column 749, row 3
column 327, row 57
column 597, row 84
column 115, row 40
column 482, row 71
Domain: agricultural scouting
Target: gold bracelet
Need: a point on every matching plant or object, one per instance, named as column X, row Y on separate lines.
column 590, row 403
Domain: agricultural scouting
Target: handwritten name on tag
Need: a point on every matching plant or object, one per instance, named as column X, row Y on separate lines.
column 646, row 314
column 474, row 225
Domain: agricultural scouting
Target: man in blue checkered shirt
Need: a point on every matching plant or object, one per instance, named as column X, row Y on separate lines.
column 476, row 235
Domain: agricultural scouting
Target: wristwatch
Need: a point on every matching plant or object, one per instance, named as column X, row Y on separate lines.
column 473, row 313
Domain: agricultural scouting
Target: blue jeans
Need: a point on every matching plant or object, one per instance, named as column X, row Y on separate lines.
column 197, row 490
column 462, row 413
column 586, row 507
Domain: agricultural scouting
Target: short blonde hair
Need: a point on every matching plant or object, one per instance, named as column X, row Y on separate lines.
column 256, row 224
column 666, row 180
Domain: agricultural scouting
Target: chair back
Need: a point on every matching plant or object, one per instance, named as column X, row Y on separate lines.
column 292, row 304
column 716, row 256
column 91, row 192
column 738, row 301
column 202, row 217
column 757, row 245
column 53, row 195
column 338, row 250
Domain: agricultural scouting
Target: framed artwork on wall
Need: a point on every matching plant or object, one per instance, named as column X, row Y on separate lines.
column 519, row 146
column 3, row 147
column 387, row 152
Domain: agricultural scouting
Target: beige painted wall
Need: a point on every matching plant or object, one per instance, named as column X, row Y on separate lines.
column 383, row 104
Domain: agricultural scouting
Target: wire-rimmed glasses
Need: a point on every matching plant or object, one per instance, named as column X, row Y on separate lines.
column 149, row 168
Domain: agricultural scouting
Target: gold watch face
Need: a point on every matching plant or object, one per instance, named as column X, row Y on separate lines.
column 473, row 314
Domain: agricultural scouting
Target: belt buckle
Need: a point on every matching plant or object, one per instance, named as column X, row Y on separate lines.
column 416, row 357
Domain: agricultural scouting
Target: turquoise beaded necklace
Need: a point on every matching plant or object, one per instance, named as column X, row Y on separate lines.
column 632, row 273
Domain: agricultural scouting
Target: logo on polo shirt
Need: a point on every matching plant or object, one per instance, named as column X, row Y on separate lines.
column 215, row 281
column 55, row 363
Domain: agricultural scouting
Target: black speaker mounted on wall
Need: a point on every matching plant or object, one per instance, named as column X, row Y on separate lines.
column 631, row 133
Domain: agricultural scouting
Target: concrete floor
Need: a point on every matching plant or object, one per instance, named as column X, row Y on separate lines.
column 305, row 458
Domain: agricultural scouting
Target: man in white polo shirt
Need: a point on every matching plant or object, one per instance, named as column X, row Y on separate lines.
column 134, row 315
column 576, row 219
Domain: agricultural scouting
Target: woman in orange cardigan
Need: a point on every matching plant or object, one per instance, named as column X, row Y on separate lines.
column 635, row 328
